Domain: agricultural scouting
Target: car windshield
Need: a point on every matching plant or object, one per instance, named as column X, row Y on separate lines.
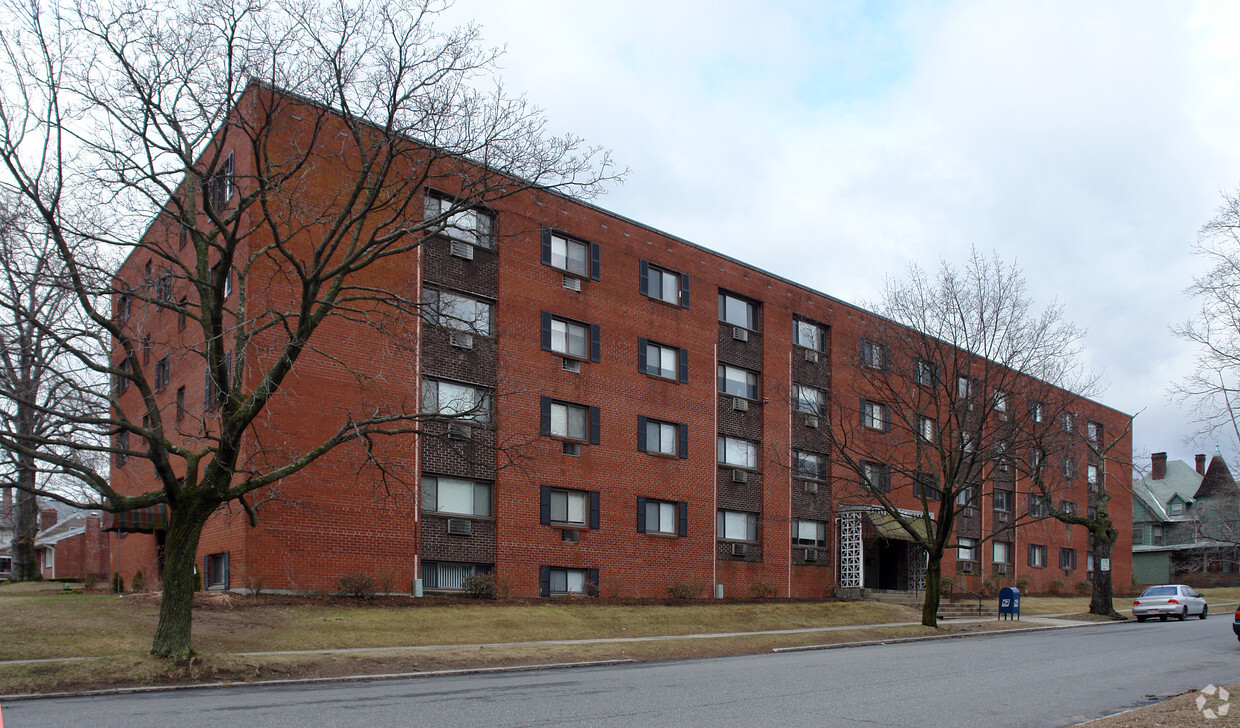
column 1160, row 591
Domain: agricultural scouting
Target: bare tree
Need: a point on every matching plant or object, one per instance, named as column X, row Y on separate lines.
column 283, row 151
column 961, row 383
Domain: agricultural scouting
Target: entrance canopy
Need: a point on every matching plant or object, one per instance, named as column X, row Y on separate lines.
column 888, row 527
column 141, row 520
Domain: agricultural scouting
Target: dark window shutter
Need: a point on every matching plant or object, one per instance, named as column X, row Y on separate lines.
column 594, row 261
column 546, row 246
column 595, row 342
column 641, row 354
column 886, row 419
column 544, row 404
column 206, row 573
column 862, row 420
column 683, row 449
column 546, row 331
column 544, row 505
column 886, row 479
column 684, row 290
column 227, row 575
column 682, row 528
column 684, row 366
column 644, row 276
column 641, row 433
column 641, row 514
column 594, row 425
column 430, row 574
column 594, row 509
column 1030, row 549
column 592, row 586
column 206, row 388
column 544, row 581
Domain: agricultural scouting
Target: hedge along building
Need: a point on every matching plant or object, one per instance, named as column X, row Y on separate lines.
column 621, row 410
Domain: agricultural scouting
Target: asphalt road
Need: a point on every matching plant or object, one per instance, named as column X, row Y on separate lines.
column 1050, row 678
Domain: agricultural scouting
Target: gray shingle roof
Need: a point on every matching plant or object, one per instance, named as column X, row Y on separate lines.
column 1181, row 479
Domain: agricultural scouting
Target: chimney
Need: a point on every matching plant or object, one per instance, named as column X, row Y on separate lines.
column 1201, row 463
column 47, row 518
column 1158, row 465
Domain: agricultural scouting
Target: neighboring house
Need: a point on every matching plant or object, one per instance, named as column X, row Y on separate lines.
column 1185, row 522
column 69, row 544
column 7, row 525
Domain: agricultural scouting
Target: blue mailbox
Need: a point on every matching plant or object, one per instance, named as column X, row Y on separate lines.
column 1009, row 602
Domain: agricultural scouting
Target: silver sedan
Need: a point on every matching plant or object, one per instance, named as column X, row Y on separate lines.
column 1169, row 600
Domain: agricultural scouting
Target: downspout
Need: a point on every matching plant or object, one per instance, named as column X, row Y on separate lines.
column 714, row 559
column 417, row 435
column 791, row 464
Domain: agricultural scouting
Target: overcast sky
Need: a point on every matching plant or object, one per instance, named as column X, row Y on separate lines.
column 833, row 143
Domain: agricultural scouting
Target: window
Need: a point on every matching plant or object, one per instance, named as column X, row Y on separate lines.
column 1157, row 534
column 808, row 465
column 874, row 355
column 1035, row 459
column 219, row 187
column 1138, row 535
column 737, row 311
column 456, row 496
column 738, row 382
column 1067, row 559
column 926, row 428
column 1039, row 412
column 925, row 373
column 443, row 575
column 124, row 303
column 570, row 581
column 808, row 399
column 1037, row 555
column 569, row 507
column 874, row 415
column 966, row 549
column 458, row 312
column 455, row 400
column 473, row 226
column 216, row 392
column 182, row 313
column 926, row 485
column 1038, row 507
column 809, row 335
column 180, row 403
column 966, row 497
column 1001, row 403
column 1001, row 552
column 1067, row 507
column 659, row 360
column 964, row 387
column 1091, row 474
column 663, row 438
column 215, row 571
column 736, row 526
column 1069, row 422
column 1069, row 468
column 570, row 338
column 1177, row 509
column 571, row 256
column 163, row 374
column 122, row 376
column 809, row 533
column 664, row 285
column 737, row 453
column 163, row 287
column 663, row 517
column 146, row 348
column 1093, row 431
column 1003, row 501
column 122, row 446
column 570, row 421
column 876, row 477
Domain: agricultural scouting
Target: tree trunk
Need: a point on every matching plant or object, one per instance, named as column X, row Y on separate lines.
column 25, row 527
column 1100, row 602
column 934, row 589
column 172, row 634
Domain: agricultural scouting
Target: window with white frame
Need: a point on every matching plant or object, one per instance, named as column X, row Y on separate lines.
column 450, row 399
column 569, row 421
column 925, row 373
column 1069, row 422
column 219, row 187
column 569, row 506
column 570, row 255
column 874, row 355
column 808, row 399
column 1177, row 509
column 1093, row 431
column 964, row 387
column 736, row 526
column 568, row 581
column 1067, row 559
column 738, row 382
column 874, row 415
column 1039, row 412
column 664, row 285
column 737, row 453
column 1001, row 401
column 876, row 477
column 966, row 497
column 927, row 428
column 661, row 361
column 473, row 226
column 1091, row 474
column 661, row 517
column 458, row 312
column 1035, row 458
column 570, row 338
column 808, row 335
column 1003, row 501
column 662, row 438
column 1037, row 555
column 1067, row 507
column 1038, row 506
column 456, row 496
column 1001, row 552
column 1156, row 535
column 926, row 486
column 1069, row 467
column 450, row 576
column 966, row 549
column 163, row 373
column 809, row 533
column 811, row 466
column 737, row 311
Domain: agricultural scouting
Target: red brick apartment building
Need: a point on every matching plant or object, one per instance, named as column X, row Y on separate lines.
column 639, row 388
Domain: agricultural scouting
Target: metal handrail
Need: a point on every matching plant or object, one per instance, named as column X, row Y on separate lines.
column 951, row 593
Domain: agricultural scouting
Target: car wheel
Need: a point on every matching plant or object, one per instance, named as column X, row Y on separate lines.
column 1142, row 618
column 1162, row 618
column 1205, row 610
column 1184, row 615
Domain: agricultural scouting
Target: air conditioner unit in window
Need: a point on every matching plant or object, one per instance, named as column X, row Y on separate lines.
column 572, row 283
column 459, row 431
column 1001, row 517
column 740, row 476
column 570, row 448
column 811, row 487
column 811, row 555
column 811, row 356
column 462, row 340
column 462, row 250
column 811, row 421
column 1001, row 569
column 460, row 526
column 966, row 567
column 740, row 404
column 739, row 549
column 569, row 535
column 740, row 334
column 571, row 365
